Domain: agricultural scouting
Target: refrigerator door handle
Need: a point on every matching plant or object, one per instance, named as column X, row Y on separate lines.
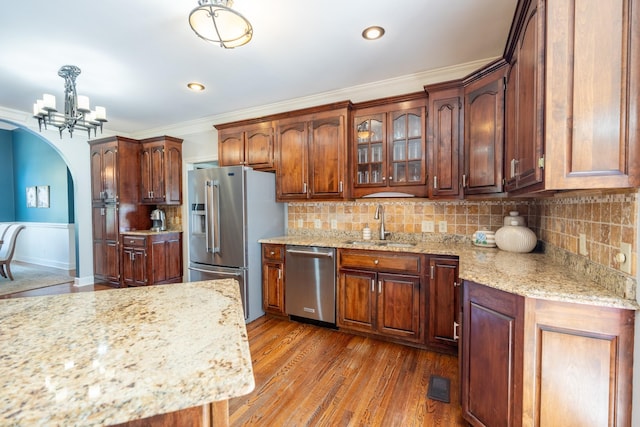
column 212, row 216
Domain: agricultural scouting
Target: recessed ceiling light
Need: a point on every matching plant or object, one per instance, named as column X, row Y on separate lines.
column 196, row 87
column 373, row 33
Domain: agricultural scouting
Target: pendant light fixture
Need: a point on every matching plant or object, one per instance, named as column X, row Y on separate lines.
column 215, row 22
column 77, row 114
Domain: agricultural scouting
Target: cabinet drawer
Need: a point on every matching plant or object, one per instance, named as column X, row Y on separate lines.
column 385, row 261
column 273, row 252
column 137, row 241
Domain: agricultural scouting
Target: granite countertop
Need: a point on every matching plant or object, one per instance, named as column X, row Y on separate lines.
column 100, row 358
column 533, row 275
column 149, row 232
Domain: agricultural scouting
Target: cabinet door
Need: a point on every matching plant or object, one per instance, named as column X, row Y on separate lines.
column 273, row 287
column 578, row 361
column 231, row 147
column 445, row 136
column 444, row 303
column 97, row 184
column 327, row 157
column 484, row 137
column 528, row 149
column 398, row 306
column 134, row 269
column 259, row 146
column 492, row 351
column 152, row 166
column 104, row 175
column 357, row 300
column 173, row 175
column 591, row 123
column 369, row 156
column 406, row 136
column 106, row 257
column 292, row 170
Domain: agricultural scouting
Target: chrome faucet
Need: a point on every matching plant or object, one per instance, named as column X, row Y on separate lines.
column 380, row 215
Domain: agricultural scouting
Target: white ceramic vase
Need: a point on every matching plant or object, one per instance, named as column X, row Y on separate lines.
column 516, row 238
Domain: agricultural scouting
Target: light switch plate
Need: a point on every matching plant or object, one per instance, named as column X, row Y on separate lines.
column 625, row 266
column 428, row 227
column 300, row 223
column 317, row 223
column 583, row 244
column 334, row 224
column 442, row 226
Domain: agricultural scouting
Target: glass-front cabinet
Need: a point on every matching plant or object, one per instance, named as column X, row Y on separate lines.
column 389, row 149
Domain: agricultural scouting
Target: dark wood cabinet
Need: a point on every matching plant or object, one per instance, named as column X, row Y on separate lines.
column 273, row 279
column 570, row 117
column 246, row 145
column 444, row 304
column 484, row 131
column 444, row 139
column 492, row 351
column 312, row 156
column 115, row 195
column 161, row 171
column 382, row 294
column 151, row 259
column 389, row 146
column 546, row 362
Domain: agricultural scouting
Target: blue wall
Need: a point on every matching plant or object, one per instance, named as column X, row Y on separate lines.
column 34, row 162
column 7, row 204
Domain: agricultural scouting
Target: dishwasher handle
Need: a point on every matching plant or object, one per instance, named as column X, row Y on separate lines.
column 310, row 253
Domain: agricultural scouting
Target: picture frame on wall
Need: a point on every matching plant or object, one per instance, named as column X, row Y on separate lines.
column 31, row 197
column 42, row 196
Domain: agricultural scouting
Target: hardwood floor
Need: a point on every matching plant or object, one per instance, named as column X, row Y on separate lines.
column 312, row 376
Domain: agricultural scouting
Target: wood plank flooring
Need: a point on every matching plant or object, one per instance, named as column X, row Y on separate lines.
column 312, row 376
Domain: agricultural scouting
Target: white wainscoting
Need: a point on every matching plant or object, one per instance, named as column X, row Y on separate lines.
column 47, row 244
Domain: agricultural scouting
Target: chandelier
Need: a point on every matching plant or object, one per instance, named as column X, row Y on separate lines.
column 77, row 114
column 215, row 21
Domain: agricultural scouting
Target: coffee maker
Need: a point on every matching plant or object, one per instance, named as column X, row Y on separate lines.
column 158, row 220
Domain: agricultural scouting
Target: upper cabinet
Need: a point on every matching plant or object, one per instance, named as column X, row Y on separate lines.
column 161, row 168
column 571, row 96
column 444, row 138
column 247, row 145
column 311, row 159
column 389, row 149
column 484, row 130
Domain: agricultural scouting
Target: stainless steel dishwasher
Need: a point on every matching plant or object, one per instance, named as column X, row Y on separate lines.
column 310, row 283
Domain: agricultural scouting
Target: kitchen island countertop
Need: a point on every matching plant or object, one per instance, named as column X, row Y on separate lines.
column 534, row 275
column 107, row 357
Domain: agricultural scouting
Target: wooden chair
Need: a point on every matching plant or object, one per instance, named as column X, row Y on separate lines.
column 7, row 248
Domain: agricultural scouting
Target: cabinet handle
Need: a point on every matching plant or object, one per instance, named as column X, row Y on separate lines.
column 464, row 181
column 272, row 253
column 433, row 272
column 456, row 284
column 435, row 182
column 384, row 178
column 373, row 285
column 279, row 274
column 304, row 188
column 514, row 166
column 340, row 187
column 455, row 330
column 379, row 286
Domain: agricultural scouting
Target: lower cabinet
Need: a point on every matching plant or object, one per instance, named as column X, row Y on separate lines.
column 382, row 293
column 444, row 304
column 273, row 279
column 544, row 362
column 151, row 259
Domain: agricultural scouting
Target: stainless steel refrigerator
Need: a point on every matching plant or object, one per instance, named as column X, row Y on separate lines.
column 231, row 208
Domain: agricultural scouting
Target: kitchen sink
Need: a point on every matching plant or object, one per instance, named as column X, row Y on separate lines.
column 380, row 243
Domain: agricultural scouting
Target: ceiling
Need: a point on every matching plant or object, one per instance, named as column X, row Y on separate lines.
column 137, row 56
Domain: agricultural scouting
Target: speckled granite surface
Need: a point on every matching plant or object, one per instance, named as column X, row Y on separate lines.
column 533, row 275
column 149, row 232
column 100, row 358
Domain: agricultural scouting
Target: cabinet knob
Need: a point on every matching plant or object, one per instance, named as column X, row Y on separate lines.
column 375, row 261
column 272, row 253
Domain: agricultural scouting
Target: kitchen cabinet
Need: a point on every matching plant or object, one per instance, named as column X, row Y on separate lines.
column 571, row 116
column 389, row 149
column 382, row 294
column 484, row 130
column 547, row 362
column 444, row 139
column 161, row 171
column 115, row 195
column 444, row 304
column 249, row 145
column 151, row 259
column 273, row 279
column 312, row 155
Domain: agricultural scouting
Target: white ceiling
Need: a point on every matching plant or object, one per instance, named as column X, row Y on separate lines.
column 137, row 56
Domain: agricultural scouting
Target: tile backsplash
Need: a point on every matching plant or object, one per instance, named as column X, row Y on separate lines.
column 606, row 219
